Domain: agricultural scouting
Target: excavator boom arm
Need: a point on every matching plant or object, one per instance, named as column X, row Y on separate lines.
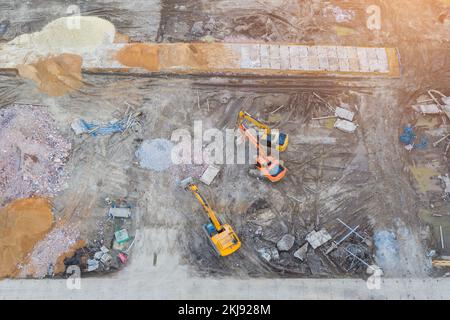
column 253, row 140
column 245, row 116
column 205, row 205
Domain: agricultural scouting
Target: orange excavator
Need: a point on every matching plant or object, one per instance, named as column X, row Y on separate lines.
column 222, row 236
column 268, row 166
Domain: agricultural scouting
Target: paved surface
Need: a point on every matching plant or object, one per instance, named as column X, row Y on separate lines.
column 169, row 279
column 195, row 288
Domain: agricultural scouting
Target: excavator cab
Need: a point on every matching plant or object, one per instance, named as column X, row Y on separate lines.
column 224, row 242
column 222, row 236
column 280, row 140
column 271, row 168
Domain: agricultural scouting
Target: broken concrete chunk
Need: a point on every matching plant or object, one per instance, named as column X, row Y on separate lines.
column 301, row 253
column 445, row 182
column 269, row 254
column 345, row 126
column 273, row 233
column 446, row 109
column 197, row 28
column 286, row 242
column 427, row 108
column 344, row 114
column 446, row 100
column 78, row 127
column 318, row 238
column 315, row 264
column 209, row 175
column 120, row 212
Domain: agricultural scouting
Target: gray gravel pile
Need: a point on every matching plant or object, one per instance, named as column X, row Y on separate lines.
column 155, row 154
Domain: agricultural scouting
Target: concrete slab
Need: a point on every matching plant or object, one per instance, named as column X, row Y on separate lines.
column 209, row 174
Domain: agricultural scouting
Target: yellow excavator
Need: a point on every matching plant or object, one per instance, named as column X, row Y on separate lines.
column 281, row 139
column 223, row 239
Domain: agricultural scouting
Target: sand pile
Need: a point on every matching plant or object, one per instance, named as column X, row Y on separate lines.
column 32, row 153
column 23, row 223
column 139, row 55
column 67, row 35
column 178, row 56
column 55, row 75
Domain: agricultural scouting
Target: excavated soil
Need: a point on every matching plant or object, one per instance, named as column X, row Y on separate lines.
column 23, row 223
column 55, row 75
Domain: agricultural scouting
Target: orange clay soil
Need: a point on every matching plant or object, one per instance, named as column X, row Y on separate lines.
column 23, row 223
column 177, row 56
column 55, row 75
column 139, row 56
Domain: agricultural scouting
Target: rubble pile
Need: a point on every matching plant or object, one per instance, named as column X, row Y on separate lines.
column 60, row 240
column 32, row 153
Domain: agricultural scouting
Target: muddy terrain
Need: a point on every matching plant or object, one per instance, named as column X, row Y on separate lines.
column 365, row 179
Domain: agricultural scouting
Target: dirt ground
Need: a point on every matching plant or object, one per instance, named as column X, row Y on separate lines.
column 366, row 179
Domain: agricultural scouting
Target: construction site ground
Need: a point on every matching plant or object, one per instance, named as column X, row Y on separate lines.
column 366, row 178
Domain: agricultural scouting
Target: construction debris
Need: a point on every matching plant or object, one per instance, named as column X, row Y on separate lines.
column 427, row 108
column 409, row 136
column 121, row 236
column 344, row 114
column 318, row 238
column 345, row 126
column 301, row 252
column 33, row 153
column 209, row 174
column 436, row 105
column 122, row 257
column 286, row 242
column 92, row 265
column 435, row 144
column 106, row 258
column 60, row 240
column 94, row 128
column 335, row 244
column 120, row 212
column 269, row 254
column 445, row 183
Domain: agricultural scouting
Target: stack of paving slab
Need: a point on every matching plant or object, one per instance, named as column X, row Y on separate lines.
column 312, row 58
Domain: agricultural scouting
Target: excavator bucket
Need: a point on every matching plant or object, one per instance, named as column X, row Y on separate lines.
column 186, row 182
